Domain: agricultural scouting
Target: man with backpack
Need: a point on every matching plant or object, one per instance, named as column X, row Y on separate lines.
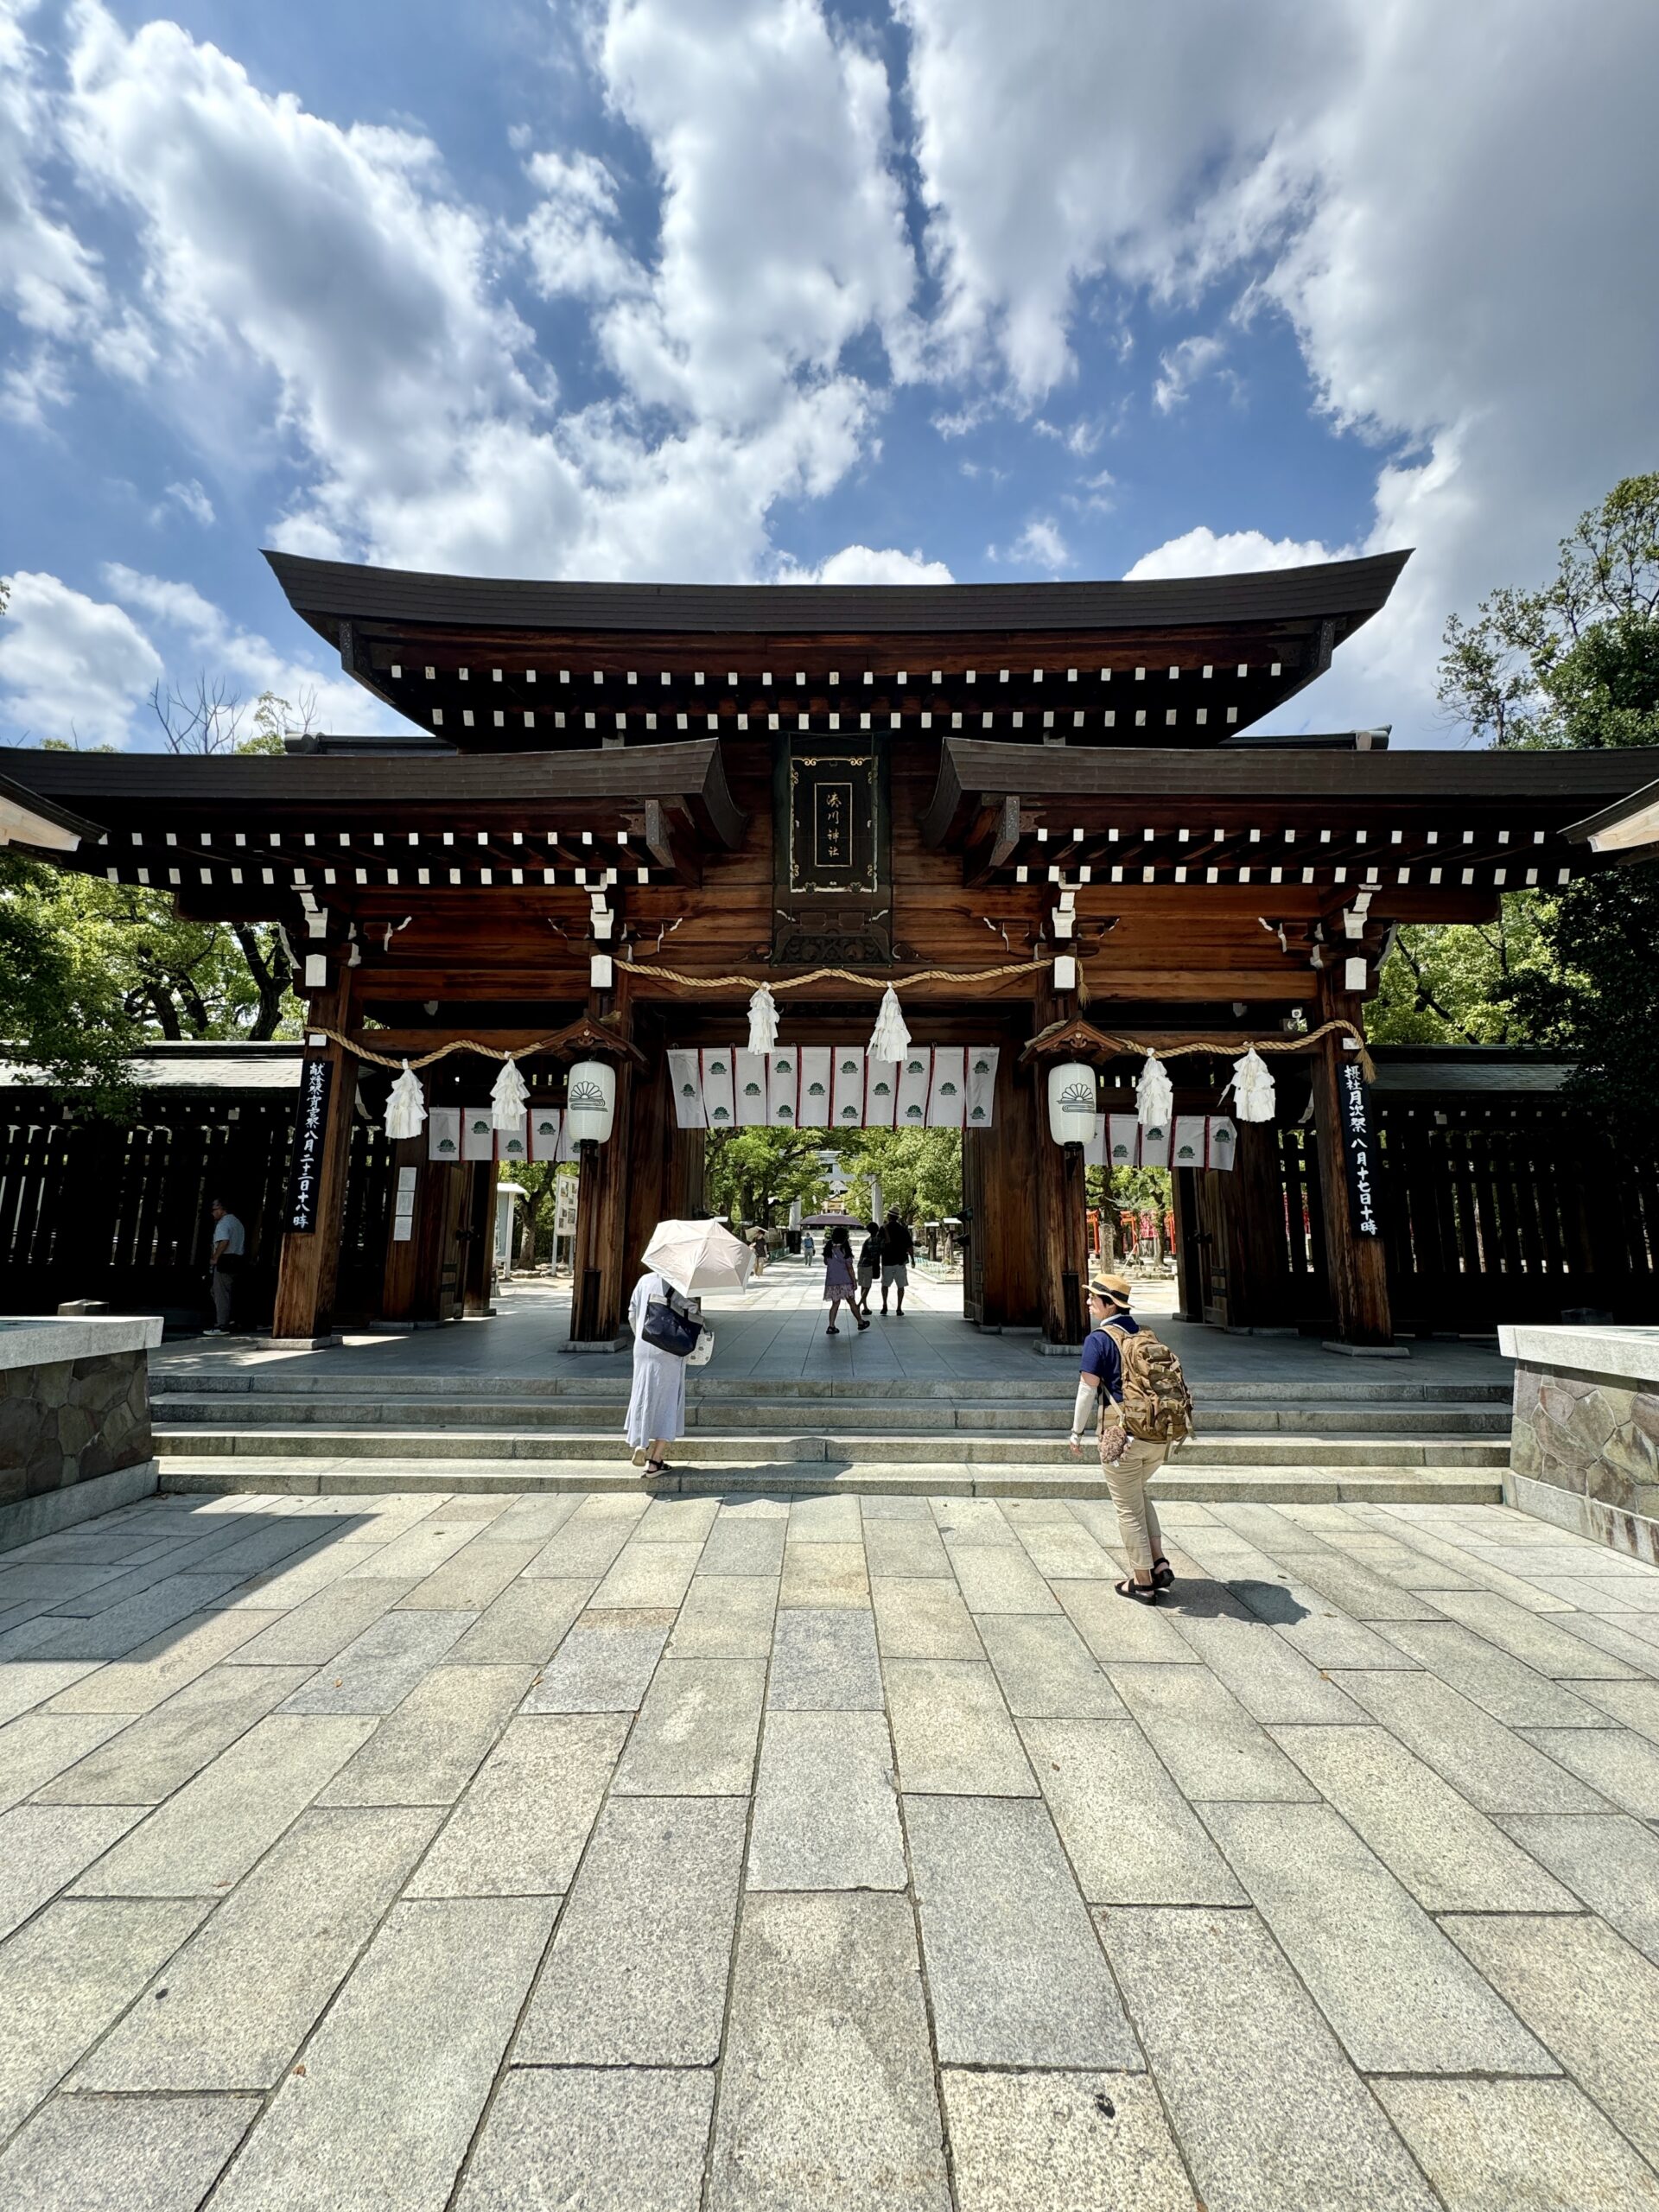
column 1133, row 1393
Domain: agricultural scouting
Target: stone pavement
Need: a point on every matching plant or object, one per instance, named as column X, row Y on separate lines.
column 405, row 1852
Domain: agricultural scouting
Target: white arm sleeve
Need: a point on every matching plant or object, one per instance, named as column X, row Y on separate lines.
column 1084, row 1411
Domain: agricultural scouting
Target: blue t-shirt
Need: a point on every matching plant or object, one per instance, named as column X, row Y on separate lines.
column 1101, row 1355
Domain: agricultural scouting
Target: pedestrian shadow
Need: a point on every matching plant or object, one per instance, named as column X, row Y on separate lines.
column 1270, row 1601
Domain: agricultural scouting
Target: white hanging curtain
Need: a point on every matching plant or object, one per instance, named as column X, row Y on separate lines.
column 763, row 1020
column 406, row 1106
column 510, row 1099
column 1154, row 1094
column 1252, row 1088
column 890, row 1038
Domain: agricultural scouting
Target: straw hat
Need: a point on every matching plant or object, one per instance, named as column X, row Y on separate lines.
column 1113, row 1288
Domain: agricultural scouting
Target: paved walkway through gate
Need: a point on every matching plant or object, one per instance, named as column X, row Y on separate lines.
column 507, row 1852
column 775, row 1330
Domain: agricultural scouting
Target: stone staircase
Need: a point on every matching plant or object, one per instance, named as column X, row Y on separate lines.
column 1390, row 1441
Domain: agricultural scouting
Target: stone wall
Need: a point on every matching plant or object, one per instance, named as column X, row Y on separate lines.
column 74, row 1420
column 1583, row 1448
column 68, row 1420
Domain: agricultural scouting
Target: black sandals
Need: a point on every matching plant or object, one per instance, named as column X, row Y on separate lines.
column 1144, row 1593
column 1162, row 1574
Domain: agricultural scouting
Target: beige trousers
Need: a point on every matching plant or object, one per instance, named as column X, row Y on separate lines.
column 1137, row 1520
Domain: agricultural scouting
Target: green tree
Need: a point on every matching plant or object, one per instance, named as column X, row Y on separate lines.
column 752, row 1174
column 920, row 1172
column 60, row 1009
column 1575, row 663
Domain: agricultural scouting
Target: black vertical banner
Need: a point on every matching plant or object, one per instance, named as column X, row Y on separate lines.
column 310, row 1131
column 1359, row 1150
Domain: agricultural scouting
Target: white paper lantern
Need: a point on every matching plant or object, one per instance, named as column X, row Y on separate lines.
column 1071, row 1103
column 590, row 1101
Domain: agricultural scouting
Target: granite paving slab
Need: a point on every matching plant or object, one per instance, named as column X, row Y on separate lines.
column 123, row 2154
column 1267, row 2109
column 1062, row 1550
column 38, row 1746
column 314, row 1632
column 824, row 1574
column 207, row 1835
column 1610, row 1640
column 637, row 1972
column 1116, row 1628
column 1269, row 1680
column 620, row 2139
column 677, row 1520
column 1622, row 1768
column 603, row 1665
column 26, row 1683
column 827, row 2094
column 1551, row 1644
column 996, row 1578
column 241, row 1995
column 922, row 1616
column 1015, row 1973
column 1490, row 1765
column 952, row 1731
column 1203, row 1735
column 422, row 1550
column 826, row 1814
column 583, row 1547
column 1495, row 2146
column 152, row 1673
column 377, row 1670
column 1612, row 1863
column 68, row 1973
column 522, row 1826
column 43, row 1847
column 1452, row 1858
column 736, row 1546
column 1131, row 1836
column 427, row 1750
column 695, row 1734
column 113, row 1634
column 1633, row 1705
column 405, row 2057
column 1500, row 1684
column 971, row 1521
column 1045, row 1670
column 472, row 1578
column 727, row 1616
column 1591, row 1998
column 524, row 1625
column 1061, row 2143
column 904, row 1548
column 824, row 1661
column 153, row 1756
column 644, row 1573
column 1396, row 1991
column 834, row 1520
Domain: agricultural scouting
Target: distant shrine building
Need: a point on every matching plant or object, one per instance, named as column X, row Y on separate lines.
column 1041, row 813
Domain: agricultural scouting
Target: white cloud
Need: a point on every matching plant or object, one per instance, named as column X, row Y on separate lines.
column 47, row 278
column 1180, row 367
column 193, row 500
column 866, row 564
column 1452, row 207
column 1040, row 545
column 1203, row 552
column 70, row 666
column 569, row 236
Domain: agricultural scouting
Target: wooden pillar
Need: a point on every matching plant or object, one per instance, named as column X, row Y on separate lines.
column 477, row 1238
column 309, row 1267
column 601, row 1284
column 1189, row 1253
column 1061, row 1183
column 1000, row 1274
column 400, row 1285
column 1357, row 1266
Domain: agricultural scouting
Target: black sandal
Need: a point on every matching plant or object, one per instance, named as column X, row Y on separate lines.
column 656, row 1467
column 1162, row 1574
column 1142, row 1593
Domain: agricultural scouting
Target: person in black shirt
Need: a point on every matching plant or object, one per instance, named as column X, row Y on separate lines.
column 898, row 1250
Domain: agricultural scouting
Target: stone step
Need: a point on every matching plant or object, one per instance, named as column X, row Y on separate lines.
column 286, row 1379
column 1260, row 1485
column 772, row 1416
column 382, row 1444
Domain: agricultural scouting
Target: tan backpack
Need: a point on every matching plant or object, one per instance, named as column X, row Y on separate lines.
column 1156, row 1404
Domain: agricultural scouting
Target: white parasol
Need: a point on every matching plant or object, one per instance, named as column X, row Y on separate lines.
column 699, row 1255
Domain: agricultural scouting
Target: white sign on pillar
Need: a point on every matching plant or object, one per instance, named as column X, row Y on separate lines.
column 719, row 1088
column 817, row 1076
column 751, row 1082
column 915, row 1072
column 982, row 1087
column 477, row 1132
column 685, row 1079
column 947, row 1101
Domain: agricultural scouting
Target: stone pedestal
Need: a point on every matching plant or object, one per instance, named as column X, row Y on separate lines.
column 74, row 1420
column 1584, row 1446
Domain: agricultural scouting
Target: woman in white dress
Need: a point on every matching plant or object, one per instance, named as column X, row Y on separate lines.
column 657, row 1405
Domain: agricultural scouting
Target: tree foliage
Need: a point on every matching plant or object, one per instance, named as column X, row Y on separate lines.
column 1575, row 663
column 753, row 1174
column 920, row 1172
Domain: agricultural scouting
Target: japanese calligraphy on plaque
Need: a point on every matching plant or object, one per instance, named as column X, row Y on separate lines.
column 1358, row 1147
column 832, row 823
column 311, row 1133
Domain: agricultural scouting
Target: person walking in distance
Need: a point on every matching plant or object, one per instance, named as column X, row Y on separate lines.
column 229, row 1250
column 869, row 1265
column 838, row 1283
column 898, row 1250
column 1132, row 1392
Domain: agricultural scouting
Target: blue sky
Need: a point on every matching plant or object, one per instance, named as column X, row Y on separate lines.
column 779, row 288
